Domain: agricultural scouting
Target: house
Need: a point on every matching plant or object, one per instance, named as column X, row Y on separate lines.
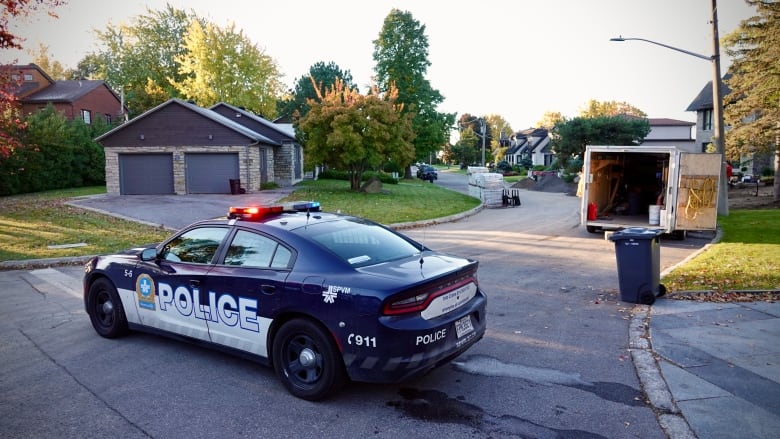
column 88, row 100
column 671, row 132
column 703, row 106
column 530, row 144
column 282, row 165
column 181, row 148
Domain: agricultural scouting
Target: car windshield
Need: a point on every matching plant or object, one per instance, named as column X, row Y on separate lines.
column 360, row 243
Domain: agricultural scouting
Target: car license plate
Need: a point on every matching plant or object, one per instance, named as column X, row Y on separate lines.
column 463, row 326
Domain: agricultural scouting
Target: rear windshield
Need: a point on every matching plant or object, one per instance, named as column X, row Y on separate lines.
column 360, row 243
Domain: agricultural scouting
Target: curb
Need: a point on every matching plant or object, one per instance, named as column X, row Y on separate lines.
column 670, row 418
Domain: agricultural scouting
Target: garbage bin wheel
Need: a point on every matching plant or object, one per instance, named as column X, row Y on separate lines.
column 592, row 229
column 661, row 290
column 646, row 298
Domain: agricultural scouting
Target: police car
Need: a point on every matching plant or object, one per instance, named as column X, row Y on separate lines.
column 321, row 297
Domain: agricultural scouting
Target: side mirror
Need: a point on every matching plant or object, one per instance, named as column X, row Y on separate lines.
column 149, row 254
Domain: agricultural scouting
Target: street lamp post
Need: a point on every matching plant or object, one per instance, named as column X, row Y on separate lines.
column 717, row 102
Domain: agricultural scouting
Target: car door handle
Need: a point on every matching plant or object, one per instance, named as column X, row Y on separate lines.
column 194, row 283
column 267, row 289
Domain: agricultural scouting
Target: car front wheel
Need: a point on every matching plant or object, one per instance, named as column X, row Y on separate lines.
column 105, row 309
column 307, row 361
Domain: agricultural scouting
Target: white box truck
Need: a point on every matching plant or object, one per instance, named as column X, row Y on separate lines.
column 658, row 187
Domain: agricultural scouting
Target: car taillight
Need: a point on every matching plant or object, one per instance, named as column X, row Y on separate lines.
column 420, row 300
column 414, row 303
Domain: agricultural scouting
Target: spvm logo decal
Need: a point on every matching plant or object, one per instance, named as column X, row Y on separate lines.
column 144, row 288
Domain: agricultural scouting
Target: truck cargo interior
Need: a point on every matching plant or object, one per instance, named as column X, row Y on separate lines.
column 627, row 185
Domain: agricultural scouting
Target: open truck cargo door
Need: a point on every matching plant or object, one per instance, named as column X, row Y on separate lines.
column 697, row 191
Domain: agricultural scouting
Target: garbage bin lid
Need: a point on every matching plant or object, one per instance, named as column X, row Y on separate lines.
column 635, row 233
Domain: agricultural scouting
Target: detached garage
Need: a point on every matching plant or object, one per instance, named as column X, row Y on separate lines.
column 180, row 148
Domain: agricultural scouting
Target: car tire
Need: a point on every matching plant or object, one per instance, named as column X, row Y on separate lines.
column 307, row 361
column 105, row 309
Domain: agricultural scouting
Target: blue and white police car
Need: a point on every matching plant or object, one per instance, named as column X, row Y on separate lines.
column 323, row 298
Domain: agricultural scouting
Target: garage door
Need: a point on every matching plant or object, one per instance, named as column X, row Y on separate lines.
column 145, row 174
column 210, row 173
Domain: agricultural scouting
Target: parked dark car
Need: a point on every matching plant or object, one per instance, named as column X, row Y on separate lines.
column 427, row 172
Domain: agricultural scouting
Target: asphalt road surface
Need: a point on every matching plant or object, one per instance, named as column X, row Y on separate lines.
column 553, row 364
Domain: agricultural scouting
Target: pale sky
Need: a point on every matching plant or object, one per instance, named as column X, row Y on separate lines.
column 517, row 58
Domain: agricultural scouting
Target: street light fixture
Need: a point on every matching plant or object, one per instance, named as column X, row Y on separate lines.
column 717, row 101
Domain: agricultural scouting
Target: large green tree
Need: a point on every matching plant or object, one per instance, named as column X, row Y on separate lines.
column 401, row 56
column 498, row 143
column 222, row 64
column 324, row 75
column 356, row 133
column 570, row 137
column 752, row 108
column 138, row 59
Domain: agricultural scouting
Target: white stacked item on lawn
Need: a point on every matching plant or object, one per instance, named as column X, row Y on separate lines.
column 488, row 187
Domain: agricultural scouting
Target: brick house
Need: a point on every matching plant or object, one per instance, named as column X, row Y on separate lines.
column 88, row 100
column 181, row 148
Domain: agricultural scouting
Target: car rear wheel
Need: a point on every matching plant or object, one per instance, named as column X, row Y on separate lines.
column 105, row 309
column 307, row 361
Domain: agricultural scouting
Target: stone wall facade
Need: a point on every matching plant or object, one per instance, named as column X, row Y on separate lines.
column 248, row 161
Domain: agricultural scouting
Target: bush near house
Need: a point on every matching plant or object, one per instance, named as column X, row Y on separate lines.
column 57, row 153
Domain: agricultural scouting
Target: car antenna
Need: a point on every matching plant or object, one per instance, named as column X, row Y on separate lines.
column 422, row 248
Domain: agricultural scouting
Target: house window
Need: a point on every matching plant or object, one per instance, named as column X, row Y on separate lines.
column 706, row 123
column 15, row 77
column 28, row 77
column 108, row 119
column 86, row 116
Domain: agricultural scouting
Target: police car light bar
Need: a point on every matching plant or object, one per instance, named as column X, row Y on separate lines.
column 302, row 206
column 258, row 212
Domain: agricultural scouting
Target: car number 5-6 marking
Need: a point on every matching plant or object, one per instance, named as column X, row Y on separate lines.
column 361, row 340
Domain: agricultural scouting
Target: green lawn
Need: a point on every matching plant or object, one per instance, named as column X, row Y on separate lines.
column 30, row 223
column 746, row 258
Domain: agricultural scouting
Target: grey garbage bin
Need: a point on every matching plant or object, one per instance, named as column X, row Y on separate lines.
column 637, row 250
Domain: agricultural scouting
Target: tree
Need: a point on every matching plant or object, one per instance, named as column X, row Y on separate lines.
column 752, row 108
column 570, row 137
column 21, row 9
column 499, row 125
column 324, row 75
column 550, row 119
column 470, row 125
column 11, row 123
column 52, row 67
column 221, row 64
column 139, row 58
column 401, row 56
column 596, row 108
column 465, row 150
column 354, row 132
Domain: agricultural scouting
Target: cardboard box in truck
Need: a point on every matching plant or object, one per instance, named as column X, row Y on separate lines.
column 658, row 187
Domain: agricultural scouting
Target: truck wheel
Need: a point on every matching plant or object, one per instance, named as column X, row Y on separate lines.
column 307, row 361
column 105, row 309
